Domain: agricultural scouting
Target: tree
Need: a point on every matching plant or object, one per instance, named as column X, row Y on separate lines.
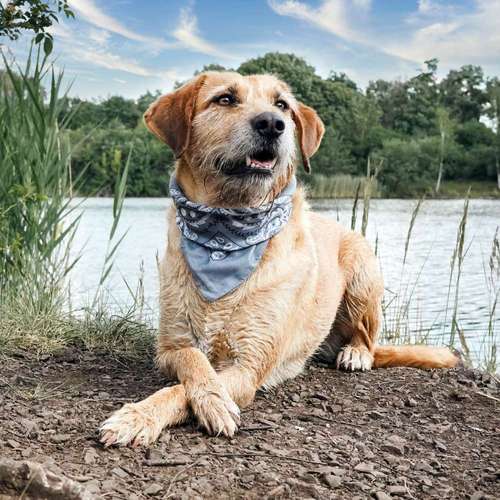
column 493, row 111
column 290, row 68
column 32, row 15
column 360, row 126
column 408, row 107
column 342, row 78
column 445, row 126
column 121, row 109
column 463, row 94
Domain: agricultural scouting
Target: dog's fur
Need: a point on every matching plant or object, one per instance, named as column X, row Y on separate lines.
column 317, row 289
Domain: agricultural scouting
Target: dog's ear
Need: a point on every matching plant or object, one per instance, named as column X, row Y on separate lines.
column 170, row 117
column 310, row 130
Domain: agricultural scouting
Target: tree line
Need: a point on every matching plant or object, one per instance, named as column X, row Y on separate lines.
column 415, row 133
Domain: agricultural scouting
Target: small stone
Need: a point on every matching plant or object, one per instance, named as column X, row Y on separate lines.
column 380, row 495
column 110, row 484
column 13, row 444
column 153, row 489
column 364, row 467
column 92, row 486
column 30, row 427
column 247, row 478
column 393, row 448
column 358, row 433
column 277, row 492
column 411, row 402
column 478, row 495
column 440, row 446
column 118, row 471
column 397, row 490
column 61, row 438
column 90, row 456
column 338, row 471
column 331, row 481
column 295, row 397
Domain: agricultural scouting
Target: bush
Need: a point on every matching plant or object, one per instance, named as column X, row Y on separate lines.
column 409, row 167
column 98, row 157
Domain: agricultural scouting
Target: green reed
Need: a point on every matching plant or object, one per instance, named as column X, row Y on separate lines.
column 398, row 327
column 338, row 186
column 36, row 222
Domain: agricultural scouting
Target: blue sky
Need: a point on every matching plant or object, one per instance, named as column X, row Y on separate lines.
column 129, row 46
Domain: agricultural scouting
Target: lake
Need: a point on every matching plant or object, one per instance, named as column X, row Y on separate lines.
column 424, row 279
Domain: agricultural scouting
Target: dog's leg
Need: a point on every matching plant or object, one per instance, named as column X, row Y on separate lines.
column 213, row 397
column 354, row 332
column 205, row 391
column 202, row 389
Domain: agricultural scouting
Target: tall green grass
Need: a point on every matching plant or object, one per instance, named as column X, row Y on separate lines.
column 400, row 328
column 35, row 186
column 38, row 220
column 339, row 186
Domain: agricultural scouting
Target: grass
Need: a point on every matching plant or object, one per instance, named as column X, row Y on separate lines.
column 38, row 222
column 339, row 186
column 476, row 189
column 400, row 328
column 35, row 186
column 345, row 186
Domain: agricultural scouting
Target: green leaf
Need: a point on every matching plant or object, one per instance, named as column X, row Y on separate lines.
column 39, row 37
column 48, row 45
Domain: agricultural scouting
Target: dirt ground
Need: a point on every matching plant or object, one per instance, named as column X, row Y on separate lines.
column 399, row 433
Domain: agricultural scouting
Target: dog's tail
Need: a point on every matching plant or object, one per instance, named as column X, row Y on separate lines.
column 416, row 356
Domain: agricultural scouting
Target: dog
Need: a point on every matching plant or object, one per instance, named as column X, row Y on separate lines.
column 315, row 290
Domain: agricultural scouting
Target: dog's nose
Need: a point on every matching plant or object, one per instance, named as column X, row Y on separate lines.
column 268, row 125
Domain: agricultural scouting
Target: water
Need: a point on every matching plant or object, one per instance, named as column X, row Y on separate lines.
column 425, row 277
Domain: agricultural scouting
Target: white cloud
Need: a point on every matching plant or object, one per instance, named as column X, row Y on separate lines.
column 100, row 37
column 109, row 60
column 60, row 30
column 187, row 35
column 88, row 10
column 436, row 29
column 455, row 38
column 334, row 16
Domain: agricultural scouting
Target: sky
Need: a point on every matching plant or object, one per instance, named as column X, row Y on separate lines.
column 127, row 47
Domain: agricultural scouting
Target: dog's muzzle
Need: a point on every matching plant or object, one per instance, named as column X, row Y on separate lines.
column 261, row 160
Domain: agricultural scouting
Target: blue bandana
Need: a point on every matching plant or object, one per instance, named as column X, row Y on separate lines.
column 222, row 246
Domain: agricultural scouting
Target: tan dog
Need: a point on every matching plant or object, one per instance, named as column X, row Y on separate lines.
column 317, row 288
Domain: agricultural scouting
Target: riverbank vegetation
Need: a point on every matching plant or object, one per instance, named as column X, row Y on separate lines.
column 426, row 136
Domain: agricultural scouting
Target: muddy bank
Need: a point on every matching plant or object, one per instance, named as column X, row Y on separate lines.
column 399, row 433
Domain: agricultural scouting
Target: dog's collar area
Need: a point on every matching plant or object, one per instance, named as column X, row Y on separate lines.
column 222, row 246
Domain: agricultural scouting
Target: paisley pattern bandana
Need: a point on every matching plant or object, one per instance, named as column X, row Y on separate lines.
column 222, row 246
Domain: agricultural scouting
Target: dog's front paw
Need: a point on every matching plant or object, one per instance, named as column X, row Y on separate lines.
column 353, row 358
column 215, row 410
column 133, row 424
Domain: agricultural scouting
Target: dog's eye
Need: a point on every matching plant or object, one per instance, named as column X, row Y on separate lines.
column 226, row 100
column 282, row 105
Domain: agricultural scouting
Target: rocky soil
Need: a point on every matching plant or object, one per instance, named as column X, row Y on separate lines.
column 399, row 433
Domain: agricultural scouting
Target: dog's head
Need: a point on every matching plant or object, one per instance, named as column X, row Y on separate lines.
column 236, row 134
